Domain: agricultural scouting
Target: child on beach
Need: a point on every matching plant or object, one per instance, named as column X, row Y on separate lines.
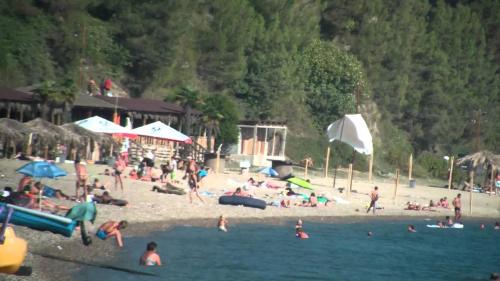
column 222, row 223
column 110, row 229
column 150, row 257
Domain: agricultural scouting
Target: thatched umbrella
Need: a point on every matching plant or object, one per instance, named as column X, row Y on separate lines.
column 12, row 132
column 480, row 159
column 47, row 132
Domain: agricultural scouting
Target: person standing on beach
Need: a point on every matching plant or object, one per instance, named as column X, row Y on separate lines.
column 81, row 178
column 110, row 229
column 374, row 198
column 150, row 257
column 192, row 177
column 457, row 203
column 119, row 168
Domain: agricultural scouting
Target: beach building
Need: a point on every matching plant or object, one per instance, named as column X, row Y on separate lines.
column 260, row 142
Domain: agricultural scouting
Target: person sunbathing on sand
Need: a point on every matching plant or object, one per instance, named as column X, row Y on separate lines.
column 240, row 192
column 37, row 203
column 312, row 202
column 25, row 180
column 110, row 229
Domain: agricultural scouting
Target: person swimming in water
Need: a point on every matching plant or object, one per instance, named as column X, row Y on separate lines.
column 150, row 257
column 411, row 228
column 299, row 233
column 298, row 224
column 221, row 224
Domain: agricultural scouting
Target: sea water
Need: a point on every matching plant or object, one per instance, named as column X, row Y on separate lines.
column 334, row 251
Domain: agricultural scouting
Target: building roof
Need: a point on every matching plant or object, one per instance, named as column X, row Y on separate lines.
column 263, row 122
column 83, row 100
column 7, row 94
column 144, row 105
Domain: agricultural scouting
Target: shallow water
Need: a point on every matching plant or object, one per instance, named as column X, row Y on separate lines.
column 335, row 251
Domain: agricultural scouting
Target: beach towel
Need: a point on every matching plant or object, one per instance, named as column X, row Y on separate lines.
column 49, row 192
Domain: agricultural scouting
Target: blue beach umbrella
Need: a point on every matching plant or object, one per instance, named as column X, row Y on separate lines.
column 269, row 171
column 42, row 169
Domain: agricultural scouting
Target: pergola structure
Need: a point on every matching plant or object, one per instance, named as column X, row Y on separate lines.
column 261, row 141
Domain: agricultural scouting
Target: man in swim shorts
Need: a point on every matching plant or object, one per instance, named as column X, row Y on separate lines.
column 457, row 203
column 374, row 198
column 110, row 229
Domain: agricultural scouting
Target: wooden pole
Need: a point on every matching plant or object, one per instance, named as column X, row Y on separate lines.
column 471, row 188
column 396, row 186
column 306, row 167
column 340, row 139
column 492, row 179
column 349, row 177
column 410, row 166
column 327, row 160
column 352, row 177
column 46, row 152
column 217, row 162
column 370, row 168
column 28, row 149
column 14, row 148
column 450, row 177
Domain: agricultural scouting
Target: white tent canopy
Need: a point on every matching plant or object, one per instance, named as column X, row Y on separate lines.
column 352, row 129
column 161, row 131
column 100, row 125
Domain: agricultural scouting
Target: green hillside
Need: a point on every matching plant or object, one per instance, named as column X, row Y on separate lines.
column 424, row 73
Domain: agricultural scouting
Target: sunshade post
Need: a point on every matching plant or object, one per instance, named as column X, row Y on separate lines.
column 217, row 162
column 327, row 160
column 410, row 166
column 305, row 170
column 340, row 139
column 40, row 197
column 471, row 188
column 450, row 176
column 492, row 180
column 396, row 186
column 349, row 181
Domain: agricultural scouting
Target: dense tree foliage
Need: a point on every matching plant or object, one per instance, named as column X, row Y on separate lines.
column 429, row 66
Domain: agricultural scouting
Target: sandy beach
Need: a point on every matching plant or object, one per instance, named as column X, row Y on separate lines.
column 150, row 211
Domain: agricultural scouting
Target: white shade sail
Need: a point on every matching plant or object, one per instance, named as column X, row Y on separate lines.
column 161, row 131
column 352, row 129
column 100, row 125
